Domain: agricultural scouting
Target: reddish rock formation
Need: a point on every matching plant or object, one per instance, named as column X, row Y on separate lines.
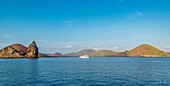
column 19, row 51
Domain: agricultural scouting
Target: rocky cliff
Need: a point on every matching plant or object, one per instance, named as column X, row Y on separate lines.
column 32, row 51
column 19, row 51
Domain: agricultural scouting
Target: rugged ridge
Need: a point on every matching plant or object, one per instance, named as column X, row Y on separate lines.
column 19, row 51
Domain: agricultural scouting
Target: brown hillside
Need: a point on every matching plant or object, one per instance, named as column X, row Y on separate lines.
column 146, row 50
column 104, row 53
column 22, row 49
column 19, row 51
column 85, row 52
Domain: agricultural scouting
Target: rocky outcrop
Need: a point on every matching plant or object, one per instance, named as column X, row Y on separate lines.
column 32, row 51
column 19, row 51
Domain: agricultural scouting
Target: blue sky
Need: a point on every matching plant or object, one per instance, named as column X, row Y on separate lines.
column 71, row 25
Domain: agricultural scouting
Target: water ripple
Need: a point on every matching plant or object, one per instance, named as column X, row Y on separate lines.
column 89, row 72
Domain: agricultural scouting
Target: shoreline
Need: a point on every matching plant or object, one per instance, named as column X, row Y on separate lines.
column 90, row 57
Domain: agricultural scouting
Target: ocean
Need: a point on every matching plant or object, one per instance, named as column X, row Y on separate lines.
column 95, row 71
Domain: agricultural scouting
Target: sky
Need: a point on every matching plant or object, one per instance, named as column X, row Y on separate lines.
column 72, row 25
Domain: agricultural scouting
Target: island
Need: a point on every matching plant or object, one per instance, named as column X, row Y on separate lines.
column 20, row 51
column 32, row 51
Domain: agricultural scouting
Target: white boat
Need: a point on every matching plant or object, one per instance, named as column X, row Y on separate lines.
column 84, row 56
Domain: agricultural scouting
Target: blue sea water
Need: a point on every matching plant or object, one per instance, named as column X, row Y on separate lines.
column 72, row 71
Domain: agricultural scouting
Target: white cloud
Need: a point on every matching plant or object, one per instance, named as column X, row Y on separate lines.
column 61, row 43
column 71, row 22
column 68, row 47
column 1, row 44
column 7, row 36
column 115, row 48
column 139, row 13
column 74, row 46
column 134, row 15
column 105, row 48
column 95, row 48
column 168, row 47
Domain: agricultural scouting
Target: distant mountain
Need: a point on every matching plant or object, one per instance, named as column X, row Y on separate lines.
column 19, row 51
column 123, row 54
column 81, row 53
column 168, row 52
column 146, row 50
column 50, row 55
column 55, row 54
column 42, row 55
column 100, row 53
column 104, row 53
column 85, row 52
column 70, row 54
